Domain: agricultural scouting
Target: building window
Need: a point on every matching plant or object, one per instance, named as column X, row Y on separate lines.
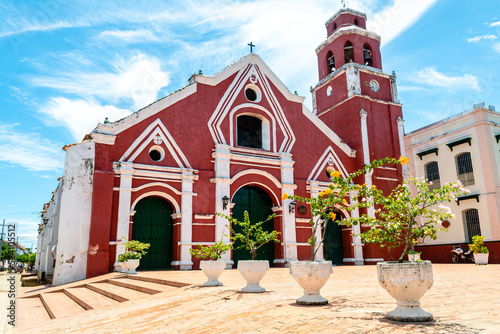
column 330, row 61
column 465, row 172
column 356, row 22
column 367, row 55
column 348, row 52
column 432, row 175
column 249, row 130
column 472, row 227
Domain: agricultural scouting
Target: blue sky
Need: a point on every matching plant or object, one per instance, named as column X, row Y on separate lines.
column 66, row 65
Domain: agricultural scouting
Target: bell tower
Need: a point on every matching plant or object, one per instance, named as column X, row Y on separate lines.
column 354, row 96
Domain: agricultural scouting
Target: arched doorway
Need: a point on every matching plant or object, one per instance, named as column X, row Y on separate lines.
column 332, row 245
column 153, row 223
column 259, row 206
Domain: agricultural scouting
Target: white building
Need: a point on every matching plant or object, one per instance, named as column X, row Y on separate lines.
column 463, row 147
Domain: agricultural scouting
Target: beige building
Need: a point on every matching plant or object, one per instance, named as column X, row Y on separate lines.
column 463, row 147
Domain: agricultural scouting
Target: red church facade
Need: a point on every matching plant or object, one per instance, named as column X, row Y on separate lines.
column 233, row 142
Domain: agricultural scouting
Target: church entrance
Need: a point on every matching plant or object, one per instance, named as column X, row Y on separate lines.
column 153, row 223
column 332, row 245
column 258, row 204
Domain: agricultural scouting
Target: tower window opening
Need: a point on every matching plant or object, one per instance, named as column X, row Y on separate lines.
column 330, row 61
column 335, row 27
column 356, row 22
column 249, row 130
column 367, row 55
column 348, row 52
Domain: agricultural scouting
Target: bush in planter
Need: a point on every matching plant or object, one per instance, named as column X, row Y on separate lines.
column 210, row 264
column 134, row 250
column 477, row 245
column 252, row 238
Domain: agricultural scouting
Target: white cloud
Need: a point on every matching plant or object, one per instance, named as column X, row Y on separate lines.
column 29, row 150
column 394, row 20
column 495, row 24
column 431, row 76
column 79, row 116
column 139, row 79
column 478, row 38
column 128, row 36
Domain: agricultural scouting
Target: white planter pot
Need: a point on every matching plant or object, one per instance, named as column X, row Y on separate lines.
column 123, row 265
column 311, row 276
column 481, row 258
column 413, row 257
column 407, row 282
column 213, row 269
column 253, row 271
column 132, row 266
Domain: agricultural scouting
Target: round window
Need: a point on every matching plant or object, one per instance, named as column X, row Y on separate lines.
column 155, row 155
column 250, row 94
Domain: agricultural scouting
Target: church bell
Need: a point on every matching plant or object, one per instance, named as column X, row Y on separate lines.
column 367, row 56
column 331, row 63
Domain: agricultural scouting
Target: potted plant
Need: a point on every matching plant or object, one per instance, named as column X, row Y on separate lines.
column 211, row 263
column 395, row 225
column 134, row 250
column 252, row 238
column 312, row 275
column 480, row 251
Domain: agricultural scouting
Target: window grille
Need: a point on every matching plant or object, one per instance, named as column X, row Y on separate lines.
column 432, row 175
column 465, row 172
column 249, row 131
column 473, row 227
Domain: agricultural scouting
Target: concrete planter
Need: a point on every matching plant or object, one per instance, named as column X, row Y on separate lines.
column 481, row 258
column 253, row 271
column 413, row 257
column 407, row 282
column 213, row 270
column 131, row 266
column 311, row 276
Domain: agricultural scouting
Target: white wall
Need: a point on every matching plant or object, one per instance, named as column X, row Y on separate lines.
column 74, row 214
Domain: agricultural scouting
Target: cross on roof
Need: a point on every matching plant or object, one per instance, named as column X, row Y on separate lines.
column 343, row 2
column 251, row 46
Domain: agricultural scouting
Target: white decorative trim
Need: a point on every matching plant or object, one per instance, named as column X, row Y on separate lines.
column 203, row 224
column 258, row 172
column 302, row 220
column 102, row 138
column 203, row 216
column 257, row 68
column 374, row 260
column 266, row 135
column 386, row 178
column 155, row 129
column 176, row 215
column 169, row 198
column 347, row 30
column 322, row 162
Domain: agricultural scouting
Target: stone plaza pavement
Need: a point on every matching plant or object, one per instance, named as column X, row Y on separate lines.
column 465, row 298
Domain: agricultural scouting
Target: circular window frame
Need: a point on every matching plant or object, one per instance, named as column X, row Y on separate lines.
column 374, row 85
column 257, row 91
column 160, row 150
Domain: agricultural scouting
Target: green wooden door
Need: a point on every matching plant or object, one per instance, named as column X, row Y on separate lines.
column 258, row 204
column 332, row 246
column 153, row 224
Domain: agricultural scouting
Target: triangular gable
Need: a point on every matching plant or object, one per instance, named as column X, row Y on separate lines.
column 226, row 104
column 155, row 133
column 163, row 103
column 329, row 157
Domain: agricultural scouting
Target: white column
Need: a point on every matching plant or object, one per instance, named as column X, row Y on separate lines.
column 401, row 134
column 222, row 181
column 357, row 244
column 186, row 220
column 366, row 154
column 288, row 219
column 124, row 202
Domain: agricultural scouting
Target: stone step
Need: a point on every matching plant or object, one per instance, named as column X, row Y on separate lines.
column 116, row 292
column 58, row 305
column 30, row 311
column 89, row 299
column 157, row 280
column 143, row 286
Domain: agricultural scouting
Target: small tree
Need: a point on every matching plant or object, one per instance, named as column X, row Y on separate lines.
column 24, row 258
column 211, row 253
column 253, row 236
column 133, row 250
column 8, row 253
column 395, row 222
column 478, row 246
